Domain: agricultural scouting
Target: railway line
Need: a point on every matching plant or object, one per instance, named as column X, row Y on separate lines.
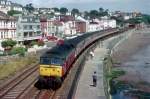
column 22, row 86
column 15, row 87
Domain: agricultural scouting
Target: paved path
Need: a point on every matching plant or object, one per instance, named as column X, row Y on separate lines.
column 84, row 88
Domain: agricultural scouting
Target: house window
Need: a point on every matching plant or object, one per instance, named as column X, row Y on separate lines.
column 25, row 27
column 1, row 34
column 38, row 26
column 30, row 27
column 25, row 34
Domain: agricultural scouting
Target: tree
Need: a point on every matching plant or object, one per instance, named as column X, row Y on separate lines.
column 105, row 13
column 29, row 7
column 120, row 21
column 56, row 9
column 19, row 50
column 63, row 10
column 74, row 12
column 86, row 14
column 101, row 10
column 12, row 12
column 94, row 14
column 8, row 43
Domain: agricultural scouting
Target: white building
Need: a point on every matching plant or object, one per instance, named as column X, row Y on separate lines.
column 105, row 24
column 28, row 28
column 7, row 27
column 6, row 6
column 16, row 7
column 69, row 28
column 97, row 25
column 93, row 26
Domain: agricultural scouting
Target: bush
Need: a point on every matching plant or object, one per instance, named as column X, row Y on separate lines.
column 18, row 50
column 12, row 12
column 8, row 43
column 33, row 43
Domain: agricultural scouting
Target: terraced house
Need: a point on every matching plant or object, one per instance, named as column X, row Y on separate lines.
column 7, row 27
column 28, row 28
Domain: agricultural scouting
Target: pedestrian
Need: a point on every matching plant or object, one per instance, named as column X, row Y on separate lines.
column 94, row 79
column 91, row 54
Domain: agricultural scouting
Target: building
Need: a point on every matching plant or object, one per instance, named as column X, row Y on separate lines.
column 7, row 27
column 105, row 24
column 93, row 26
column 16, row 7
column 80, row 26
column 6, row 6
column 28, row 28
column 51, row 27
column 68, row 24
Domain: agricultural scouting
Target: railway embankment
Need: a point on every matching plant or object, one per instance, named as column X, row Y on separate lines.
column 127, row 66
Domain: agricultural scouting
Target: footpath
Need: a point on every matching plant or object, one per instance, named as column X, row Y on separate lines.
column 85, row 88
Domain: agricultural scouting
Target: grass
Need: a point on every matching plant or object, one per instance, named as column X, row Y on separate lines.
column 10, row 67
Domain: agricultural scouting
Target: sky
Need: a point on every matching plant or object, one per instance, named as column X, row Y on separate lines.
column 83, row 5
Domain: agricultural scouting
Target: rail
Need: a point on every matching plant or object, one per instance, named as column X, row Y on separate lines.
column 87, row 49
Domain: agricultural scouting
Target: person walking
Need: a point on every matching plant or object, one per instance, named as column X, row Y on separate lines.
column 94, row 76
column 91, row 54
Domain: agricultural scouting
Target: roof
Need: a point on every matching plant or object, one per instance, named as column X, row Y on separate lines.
column 16, row 5
column 4, row 16
column 66, row 18
column 62, row 50
column 58, row 23
column 59, row 51
column 93, row 23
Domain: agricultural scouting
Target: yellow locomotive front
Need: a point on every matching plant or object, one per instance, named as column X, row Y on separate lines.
column 50, row 72
column 50, row 67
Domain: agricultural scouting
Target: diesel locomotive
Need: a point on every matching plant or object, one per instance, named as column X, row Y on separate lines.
column 56, row 62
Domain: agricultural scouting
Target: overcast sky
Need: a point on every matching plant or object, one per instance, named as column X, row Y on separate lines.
column 112, row 5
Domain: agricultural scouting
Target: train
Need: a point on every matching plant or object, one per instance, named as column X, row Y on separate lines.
column 55, row 63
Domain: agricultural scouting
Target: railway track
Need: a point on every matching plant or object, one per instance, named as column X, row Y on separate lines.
column 16, row 87
column 22, row 86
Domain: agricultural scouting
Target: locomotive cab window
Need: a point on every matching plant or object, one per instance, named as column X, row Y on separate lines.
column 56, row 61
column 44, row 60
column 51, row 61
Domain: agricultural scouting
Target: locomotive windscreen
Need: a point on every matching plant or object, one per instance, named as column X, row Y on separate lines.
column 51, row 61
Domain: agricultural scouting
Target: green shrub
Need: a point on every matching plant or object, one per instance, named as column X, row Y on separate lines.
column 33, row 43
column 8, row 44
column 18, row 50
